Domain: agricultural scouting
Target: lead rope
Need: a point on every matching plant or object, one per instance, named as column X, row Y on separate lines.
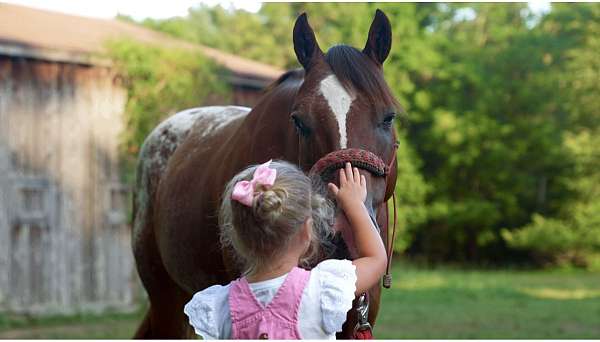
column 363, row 330
column 387, row 278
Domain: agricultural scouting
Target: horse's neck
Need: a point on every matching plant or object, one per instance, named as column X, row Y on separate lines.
column 266, row 132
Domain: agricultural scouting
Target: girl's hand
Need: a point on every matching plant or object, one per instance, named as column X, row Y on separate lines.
column 351, row 195
column 352, row 190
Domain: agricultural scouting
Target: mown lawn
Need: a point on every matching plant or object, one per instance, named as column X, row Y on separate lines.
column 453, row 303
column 423, row 303
column 82, row 326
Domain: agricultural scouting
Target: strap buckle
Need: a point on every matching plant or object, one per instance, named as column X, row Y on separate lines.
column 362, row 310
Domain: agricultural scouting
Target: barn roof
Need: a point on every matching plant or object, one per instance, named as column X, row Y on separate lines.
column 49, row 35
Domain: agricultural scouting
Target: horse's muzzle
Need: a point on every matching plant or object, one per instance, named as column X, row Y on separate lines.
column 325, row 169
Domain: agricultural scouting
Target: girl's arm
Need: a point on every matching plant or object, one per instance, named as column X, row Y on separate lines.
column 370, row 266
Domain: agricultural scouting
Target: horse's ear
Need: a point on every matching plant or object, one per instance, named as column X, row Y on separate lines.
column 305, row 44
column 379, row 42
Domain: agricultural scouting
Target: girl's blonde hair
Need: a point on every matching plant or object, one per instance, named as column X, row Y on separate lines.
column 260, row 233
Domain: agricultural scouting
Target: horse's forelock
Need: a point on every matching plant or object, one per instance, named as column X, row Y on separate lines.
column 355, row 70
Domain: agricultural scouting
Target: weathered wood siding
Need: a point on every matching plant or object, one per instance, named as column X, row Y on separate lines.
column 64, row 239
column 244, row 96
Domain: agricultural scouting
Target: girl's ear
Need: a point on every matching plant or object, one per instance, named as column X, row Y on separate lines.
column 307, row 229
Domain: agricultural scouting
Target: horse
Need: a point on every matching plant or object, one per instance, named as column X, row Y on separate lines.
column 337, row 101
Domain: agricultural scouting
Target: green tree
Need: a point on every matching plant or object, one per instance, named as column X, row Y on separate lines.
column 498, row 155
column 573, row 33
column 160, row 82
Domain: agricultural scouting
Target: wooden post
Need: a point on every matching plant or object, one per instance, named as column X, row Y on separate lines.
column 4, row 226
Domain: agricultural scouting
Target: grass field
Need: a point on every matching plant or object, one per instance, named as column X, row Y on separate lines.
column 423, row 303
column 448, row 303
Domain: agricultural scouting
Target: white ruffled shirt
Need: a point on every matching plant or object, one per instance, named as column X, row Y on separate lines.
column 326, row 299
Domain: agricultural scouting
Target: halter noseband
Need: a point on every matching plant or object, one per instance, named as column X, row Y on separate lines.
column 361, row 159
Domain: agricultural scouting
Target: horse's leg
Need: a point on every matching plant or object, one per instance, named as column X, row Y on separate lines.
column 161, row 321
column 165, row 317
column 143, row 330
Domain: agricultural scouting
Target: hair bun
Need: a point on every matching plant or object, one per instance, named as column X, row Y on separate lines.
column 269, row 204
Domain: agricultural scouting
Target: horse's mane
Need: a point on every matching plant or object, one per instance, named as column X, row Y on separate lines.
column 354, row 70
column 294, row 74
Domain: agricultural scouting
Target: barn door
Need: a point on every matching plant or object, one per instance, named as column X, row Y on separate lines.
column 31, row 229
column 113, row 258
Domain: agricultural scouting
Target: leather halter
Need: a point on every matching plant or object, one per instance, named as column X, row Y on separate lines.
column 368, row 161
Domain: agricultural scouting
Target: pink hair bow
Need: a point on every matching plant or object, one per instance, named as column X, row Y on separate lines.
column 243, row 191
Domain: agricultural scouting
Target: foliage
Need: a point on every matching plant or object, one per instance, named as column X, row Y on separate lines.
column 411, row 191
column 575, row 237
column 239, row 32
column 499, row 159
column 160, row 82
column 576, row 28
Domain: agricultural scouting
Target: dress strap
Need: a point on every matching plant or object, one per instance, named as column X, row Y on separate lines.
column 286, row 302
column 242, row 301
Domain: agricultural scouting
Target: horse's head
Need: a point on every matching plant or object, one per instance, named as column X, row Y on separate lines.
column 344, row 105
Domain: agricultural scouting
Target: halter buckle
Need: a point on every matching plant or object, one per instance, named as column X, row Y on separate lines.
column 362, row 310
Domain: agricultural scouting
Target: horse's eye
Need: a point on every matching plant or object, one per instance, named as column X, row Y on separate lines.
column 388, row 120
column 300, row 126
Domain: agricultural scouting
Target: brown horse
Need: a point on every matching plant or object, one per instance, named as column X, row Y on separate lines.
column 339, row 100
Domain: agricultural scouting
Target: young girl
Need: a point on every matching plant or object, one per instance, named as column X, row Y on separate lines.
column 272, row 217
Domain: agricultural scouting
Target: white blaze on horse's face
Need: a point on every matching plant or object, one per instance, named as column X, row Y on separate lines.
column 339, row 101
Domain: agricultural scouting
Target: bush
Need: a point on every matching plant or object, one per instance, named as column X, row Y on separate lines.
column 574, row 242
column 160, row 82
column 411, row 191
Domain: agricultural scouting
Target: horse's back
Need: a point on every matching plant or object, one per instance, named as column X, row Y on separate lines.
column 162, row 142
column 164, row 139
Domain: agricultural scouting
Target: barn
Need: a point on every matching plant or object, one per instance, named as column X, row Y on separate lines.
column 64, row 234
